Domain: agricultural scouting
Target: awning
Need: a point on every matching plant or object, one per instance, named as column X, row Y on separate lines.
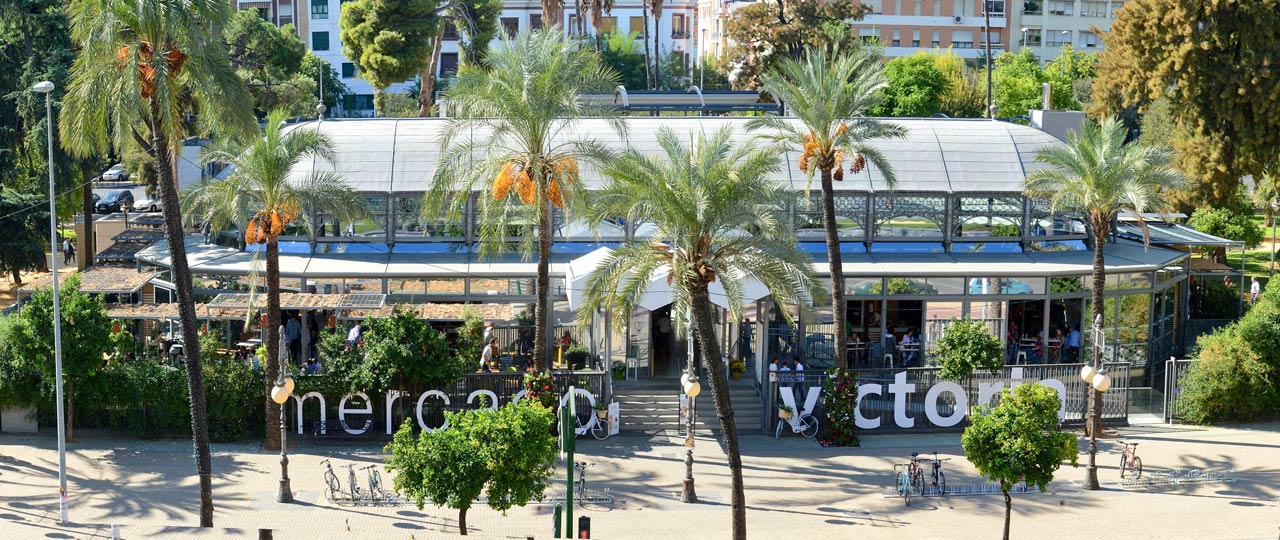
column 658, row 293
column 1172, row 234
column 101, row 279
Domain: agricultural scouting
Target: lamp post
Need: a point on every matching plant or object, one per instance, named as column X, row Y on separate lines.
column 280, row 394
column 1096, row 382
column 46, row 88
column 1275, row 210
column 1024, row 38
column 689, row 383
column 1063, row 65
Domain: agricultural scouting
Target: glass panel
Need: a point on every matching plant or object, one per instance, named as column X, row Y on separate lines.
column 1059, row 245
column 981, row 217
column 909, row 216
column 406, row 286
column 946, row 285
column 986, row 247
column 862, row 286
column 907, row 247
column 904, row 315
column 1022, row 285
column 984, row 285
column 1128, row 281
column 991, row 313
column 937, row 316
column 1214, row 297
column 1133, row 328
column 1064, row 330
column 1066, row 284
column 1167, row 273
column 905, row 286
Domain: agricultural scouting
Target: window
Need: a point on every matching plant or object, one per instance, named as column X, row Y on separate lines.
column 286, row 19
column 995, row 7
column 535, row 21
column 637, row 27
column 348, row 70
column 937, row 11
column 1093, row 8
column 448, row 64
column 937, row 39
column 1031, row 37
column 679, row 26
column 1057, row 38
column 450, row 30
column 870, row 36
column 573, row 24
column 357, row 102
column 1033, row 7
column 319, row 41
column 873, row 5
column 1089, row 39
column 897, row 38
column 917, row 11
column 319, row 9
column 1061, row 7
column 915, row 38
column 607, row 25
column 962, row 39
column 510, row 26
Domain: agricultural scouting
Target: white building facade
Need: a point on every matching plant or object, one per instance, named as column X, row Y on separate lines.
column 317, row 25
column 1046, row 25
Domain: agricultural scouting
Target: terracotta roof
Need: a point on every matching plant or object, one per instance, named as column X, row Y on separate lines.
column 440, row 312
column 120, row 253
column 100, row 279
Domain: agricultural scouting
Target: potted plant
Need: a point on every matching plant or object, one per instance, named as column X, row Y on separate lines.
column 576, row 356
column 737, row 368
column 602, row 410
column 619, row 370
column 785, row 412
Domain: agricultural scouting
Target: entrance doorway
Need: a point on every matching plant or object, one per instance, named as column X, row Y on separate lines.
column 668, row 350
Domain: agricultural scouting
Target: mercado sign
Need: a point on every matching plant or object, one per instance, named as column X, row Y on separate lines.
column 945, row 403
column 362, row 423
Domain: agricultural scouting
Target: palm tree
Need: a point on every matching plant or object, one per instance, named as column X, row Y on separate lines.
column 831, row 96
column 727, row 219
column 143, row 67
column 598, row 9
column 261, row 182
column 655, row 7
column 527, row 105
column 1097, row 174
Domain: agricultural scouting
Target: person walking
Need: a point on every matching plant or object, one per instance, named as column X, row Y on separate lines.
column 353, row 336
column 488, row 354
column 293, row 337
column 207, row 231
column 1255, row 289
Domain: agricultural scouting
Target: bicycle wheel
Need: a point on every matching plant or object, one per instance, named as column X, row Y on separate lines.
column 942, row 482
column 1137, row 467
column 777, row 433
column 375, row 484
column 809, row 426
column 904, row 487
column 1124, row 464
column 600, row 430
column 331, row 480
column 917, row 481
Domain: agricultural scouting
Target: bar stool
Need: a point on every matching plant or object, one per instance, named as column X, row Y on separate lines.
column 888, row 360
column 633, row 369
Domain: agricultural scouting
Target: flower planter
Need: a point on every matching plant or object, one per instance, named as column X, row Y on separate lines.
column 735, row 375
column 619, row 375
column 603, row 415
column 784, row 414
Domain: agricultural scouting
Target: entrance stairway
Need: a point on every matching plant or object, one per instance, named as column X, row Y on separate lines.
column 651, row 406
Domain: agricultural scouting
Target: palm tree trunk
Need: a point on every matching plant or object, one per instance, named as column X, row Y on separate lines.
column 542, row 316
column 650, row 82
column 1008, row 511
column 702, row 320
column 837, row 270
column 272, row 439
column 175, row 238
column 657, row 39
column 86, row 236
column 1099, row 308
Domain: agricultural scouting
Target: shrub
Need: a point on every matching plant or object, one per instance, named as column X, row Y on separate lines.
column 1230, row 382
column 576, row 356
column 966, row 346
column 841, row 390
column 233, row 391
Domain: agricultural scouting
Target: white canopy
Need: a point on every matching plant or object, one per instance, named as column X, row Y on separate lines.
column 658, row 293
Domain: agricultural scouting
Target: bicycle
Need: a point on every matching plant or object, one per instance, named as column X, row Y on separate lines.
column 351, row 482
column 1129, row 460
column 331, row 481
column 580, row 488
column 600, row 430
column 376, row 493
column 916, row 474
column 803, row 424
column 938, row 476
column 902, row 481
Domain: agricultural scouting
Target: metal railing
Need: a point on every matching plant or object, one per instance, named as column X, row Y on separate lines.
column 1174, row 372
column 1115, row 402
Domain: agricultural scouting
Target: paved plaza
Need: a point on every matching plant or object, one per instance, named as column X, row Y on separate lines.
column 795, row 488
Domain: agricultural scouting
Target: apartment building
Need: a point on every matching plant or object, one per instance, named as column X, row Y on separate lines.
column 1046, row 25
column 317, row 25
column 905, row 27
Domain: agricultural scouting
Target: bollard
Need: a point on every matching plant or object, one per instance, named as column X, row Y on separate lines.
column 264, row 534
column 584, row 527
column 115, row 532
column 558, row 512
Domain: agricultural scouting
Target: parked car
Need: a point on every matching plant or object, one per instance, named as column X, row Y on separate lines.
column 115, row 174
column 114, row 202
column 146, row 203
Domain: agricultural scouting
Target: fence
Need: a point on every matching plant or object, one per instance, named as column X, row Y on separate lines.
column 921, row 406
column 1174, row 371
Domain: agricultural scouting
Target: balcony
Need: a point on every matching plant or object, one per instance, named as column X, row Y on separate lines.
column 679, row 34
column 1032, row 8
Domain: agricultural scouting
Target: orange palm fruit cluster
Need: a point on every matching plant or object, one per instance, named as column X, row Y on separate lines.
column 811, row 149
column 839, row 161
column 502, row 182
column 525, row 187
column 840, row 130
column 267, row 225
column 174, row 59
column 859, row 163
column 553, row 193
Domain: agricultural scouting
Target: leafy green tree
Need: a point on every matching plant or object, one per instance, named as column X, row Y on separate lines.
column 85, row 337
column 1019, row 441
column 390, row 40
column 1065, row 71
column 327, row 80
column 504, row 454
column 701, row 194
column 268, row 58
column 21, row 384
column 1159, row 128
column 477, row 22
column 965, row 347
column 915, row 87
column 964, row 95
column 621, row 53
column 1227, row 223
column 832, row 96
column 143, row 67
column 1017, row 80
column 260, row 181
column 1222, row 91
column 764, row 33
column 23, row 233
column 400, row 352
column 522, row 171
column 1097, row 174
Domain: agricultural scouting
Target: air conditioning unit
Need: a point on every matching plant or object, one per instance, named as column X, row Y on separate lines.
column 959, row 18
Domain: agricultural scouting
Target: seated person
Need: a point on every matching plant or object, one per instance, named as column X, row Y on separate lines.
column 313, row 367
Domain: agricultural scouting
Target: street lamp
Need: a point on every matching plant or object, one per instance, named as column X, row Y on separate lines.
column 1066, row 34
column 1275, row 209
column 1096, row 382
column 689, row 383
column 46, row 88
column 1024, row 37
column 280, row 394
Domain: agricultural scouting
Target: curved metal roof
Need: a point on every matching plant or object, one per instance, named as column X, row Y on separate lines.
column 399, row 155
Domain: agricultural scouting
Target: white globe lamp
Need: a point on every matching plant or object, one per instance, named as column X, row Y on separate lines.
column 1086, row 373
column 1101, row 382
